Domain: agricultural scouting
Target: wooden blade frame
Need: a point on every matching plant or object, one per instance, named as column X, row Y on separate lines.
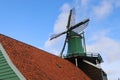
column 77, row 25
column 61, row 54
column 57, row 35
column 68, row 25
column 69, row 18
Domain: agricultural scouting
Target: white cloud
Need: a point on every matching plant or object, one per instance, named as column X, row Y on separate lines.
column 55, row 46
column 95, row 9
column 112, row 70
column 84, row 3
column 117, row 3
column 110, row 51
column 103, row 10
column 81, row 7
column 61, row 22
column 107, row 46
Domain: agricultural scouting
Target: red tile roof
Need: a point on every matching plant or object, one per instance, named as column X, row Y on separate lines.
column 36, row 64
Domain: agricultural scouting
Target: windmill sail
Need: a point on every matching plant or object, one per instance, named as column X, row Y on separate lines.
column 71, row 26
column 72, row 20
column 57, row 35
column 71, row 23
column 80, row 28
column 69, row 18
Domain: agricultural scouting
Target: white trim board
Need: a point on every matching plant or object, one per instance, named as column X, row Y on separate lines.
column 13, row 67
column 92, row 64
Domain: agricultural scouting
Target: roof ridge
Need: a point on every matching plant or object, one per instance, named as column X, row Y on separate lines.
column 21, row 42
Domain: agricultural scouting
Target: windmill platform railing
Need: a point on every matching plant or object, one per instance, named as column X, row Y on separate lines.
column 90, row 56
column 97, row 55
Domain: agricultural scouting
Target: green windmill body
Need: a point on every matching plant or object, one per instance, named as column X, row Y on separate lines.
column 76, row 44
column 74, row 37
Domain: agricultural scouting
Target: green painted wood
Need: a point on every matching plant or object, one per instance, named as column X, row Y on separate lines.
column 2, row 59
column 9, row 72
column 4, row 67
column 76, row 45
column 12, row 78
column 6, row 72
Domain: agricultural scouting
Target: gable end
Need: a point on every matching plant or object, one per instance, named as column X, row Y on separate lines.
column 8, row 70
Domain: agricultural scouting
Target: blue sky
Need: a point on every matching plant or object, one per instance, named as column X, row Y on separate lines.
column 32, row 22
column 27, row 20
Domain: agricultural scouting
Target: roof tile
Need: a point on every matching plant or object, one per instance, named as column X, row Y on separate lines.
column 36, row 64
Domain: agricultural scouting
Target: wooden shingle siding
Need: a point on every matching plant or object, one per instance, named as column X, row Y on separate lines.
column 6, row 73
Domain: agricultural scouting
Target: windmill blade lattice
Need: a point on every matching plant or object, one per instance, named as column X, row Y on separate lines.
column 73, row 19
column 80, row 28
column 78, row 25
column 53, row 36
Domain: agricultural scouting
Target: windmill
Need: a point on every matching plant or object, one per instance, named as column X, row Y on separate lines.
column 76, row 52
column 74, row 36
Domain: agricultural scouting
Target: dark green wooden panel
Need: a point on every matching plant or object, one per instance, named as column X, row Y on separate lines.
column 6, row 72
